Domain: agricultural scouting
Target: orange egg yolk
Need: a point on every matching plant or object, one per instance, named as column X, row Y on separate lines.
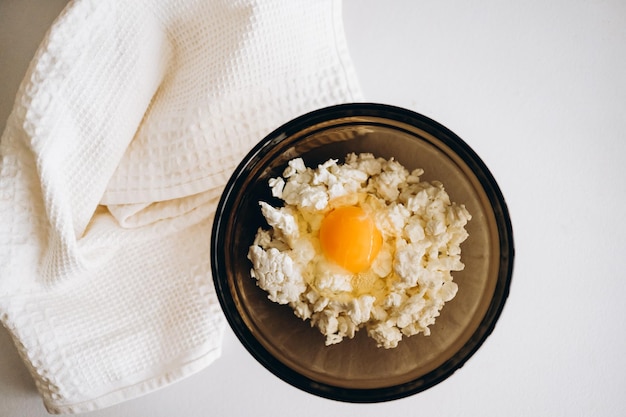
column 349, row 238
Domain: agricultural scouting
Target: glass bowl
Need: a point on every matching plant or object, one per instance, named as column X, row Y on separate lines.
column 355, row 370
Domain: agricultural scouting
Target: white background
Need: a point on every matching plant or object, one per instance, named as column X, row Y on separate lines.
column 538, row 89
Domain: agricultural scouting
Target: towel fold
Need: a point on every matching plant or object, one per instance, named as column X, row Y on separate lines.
column 129, row 121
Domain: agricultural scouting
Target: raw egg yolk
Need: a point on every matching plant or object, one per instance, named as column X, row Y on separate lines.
column 349, row 238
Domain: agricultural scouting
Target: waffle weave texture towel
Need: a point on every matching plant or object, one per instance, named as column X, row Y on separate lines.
column 127, row 125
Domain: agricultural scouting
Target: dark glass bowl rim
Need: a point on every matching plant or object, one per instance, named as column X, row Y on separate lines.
column 360, row 395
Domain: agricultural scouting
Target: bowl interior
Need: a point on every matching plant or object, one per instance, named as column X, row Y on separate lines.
column 293, row 349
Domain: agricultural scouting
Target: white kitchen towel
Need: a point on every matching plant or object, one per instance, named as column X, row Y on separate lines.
column 128, row 123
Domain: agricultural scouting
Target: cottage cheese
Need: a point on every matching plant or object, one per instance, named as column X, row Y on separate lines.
column 406, row 285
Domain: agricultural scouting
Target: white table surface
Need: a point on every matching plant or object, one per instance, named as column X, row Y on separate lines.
column 538, row 89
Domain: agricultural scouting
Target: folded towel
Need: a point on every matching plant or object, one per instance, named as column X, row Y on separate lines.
column 128, row 123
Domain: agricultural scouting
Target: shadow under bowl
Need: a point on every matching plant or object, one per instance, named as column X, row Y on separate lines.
column 355, row 370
